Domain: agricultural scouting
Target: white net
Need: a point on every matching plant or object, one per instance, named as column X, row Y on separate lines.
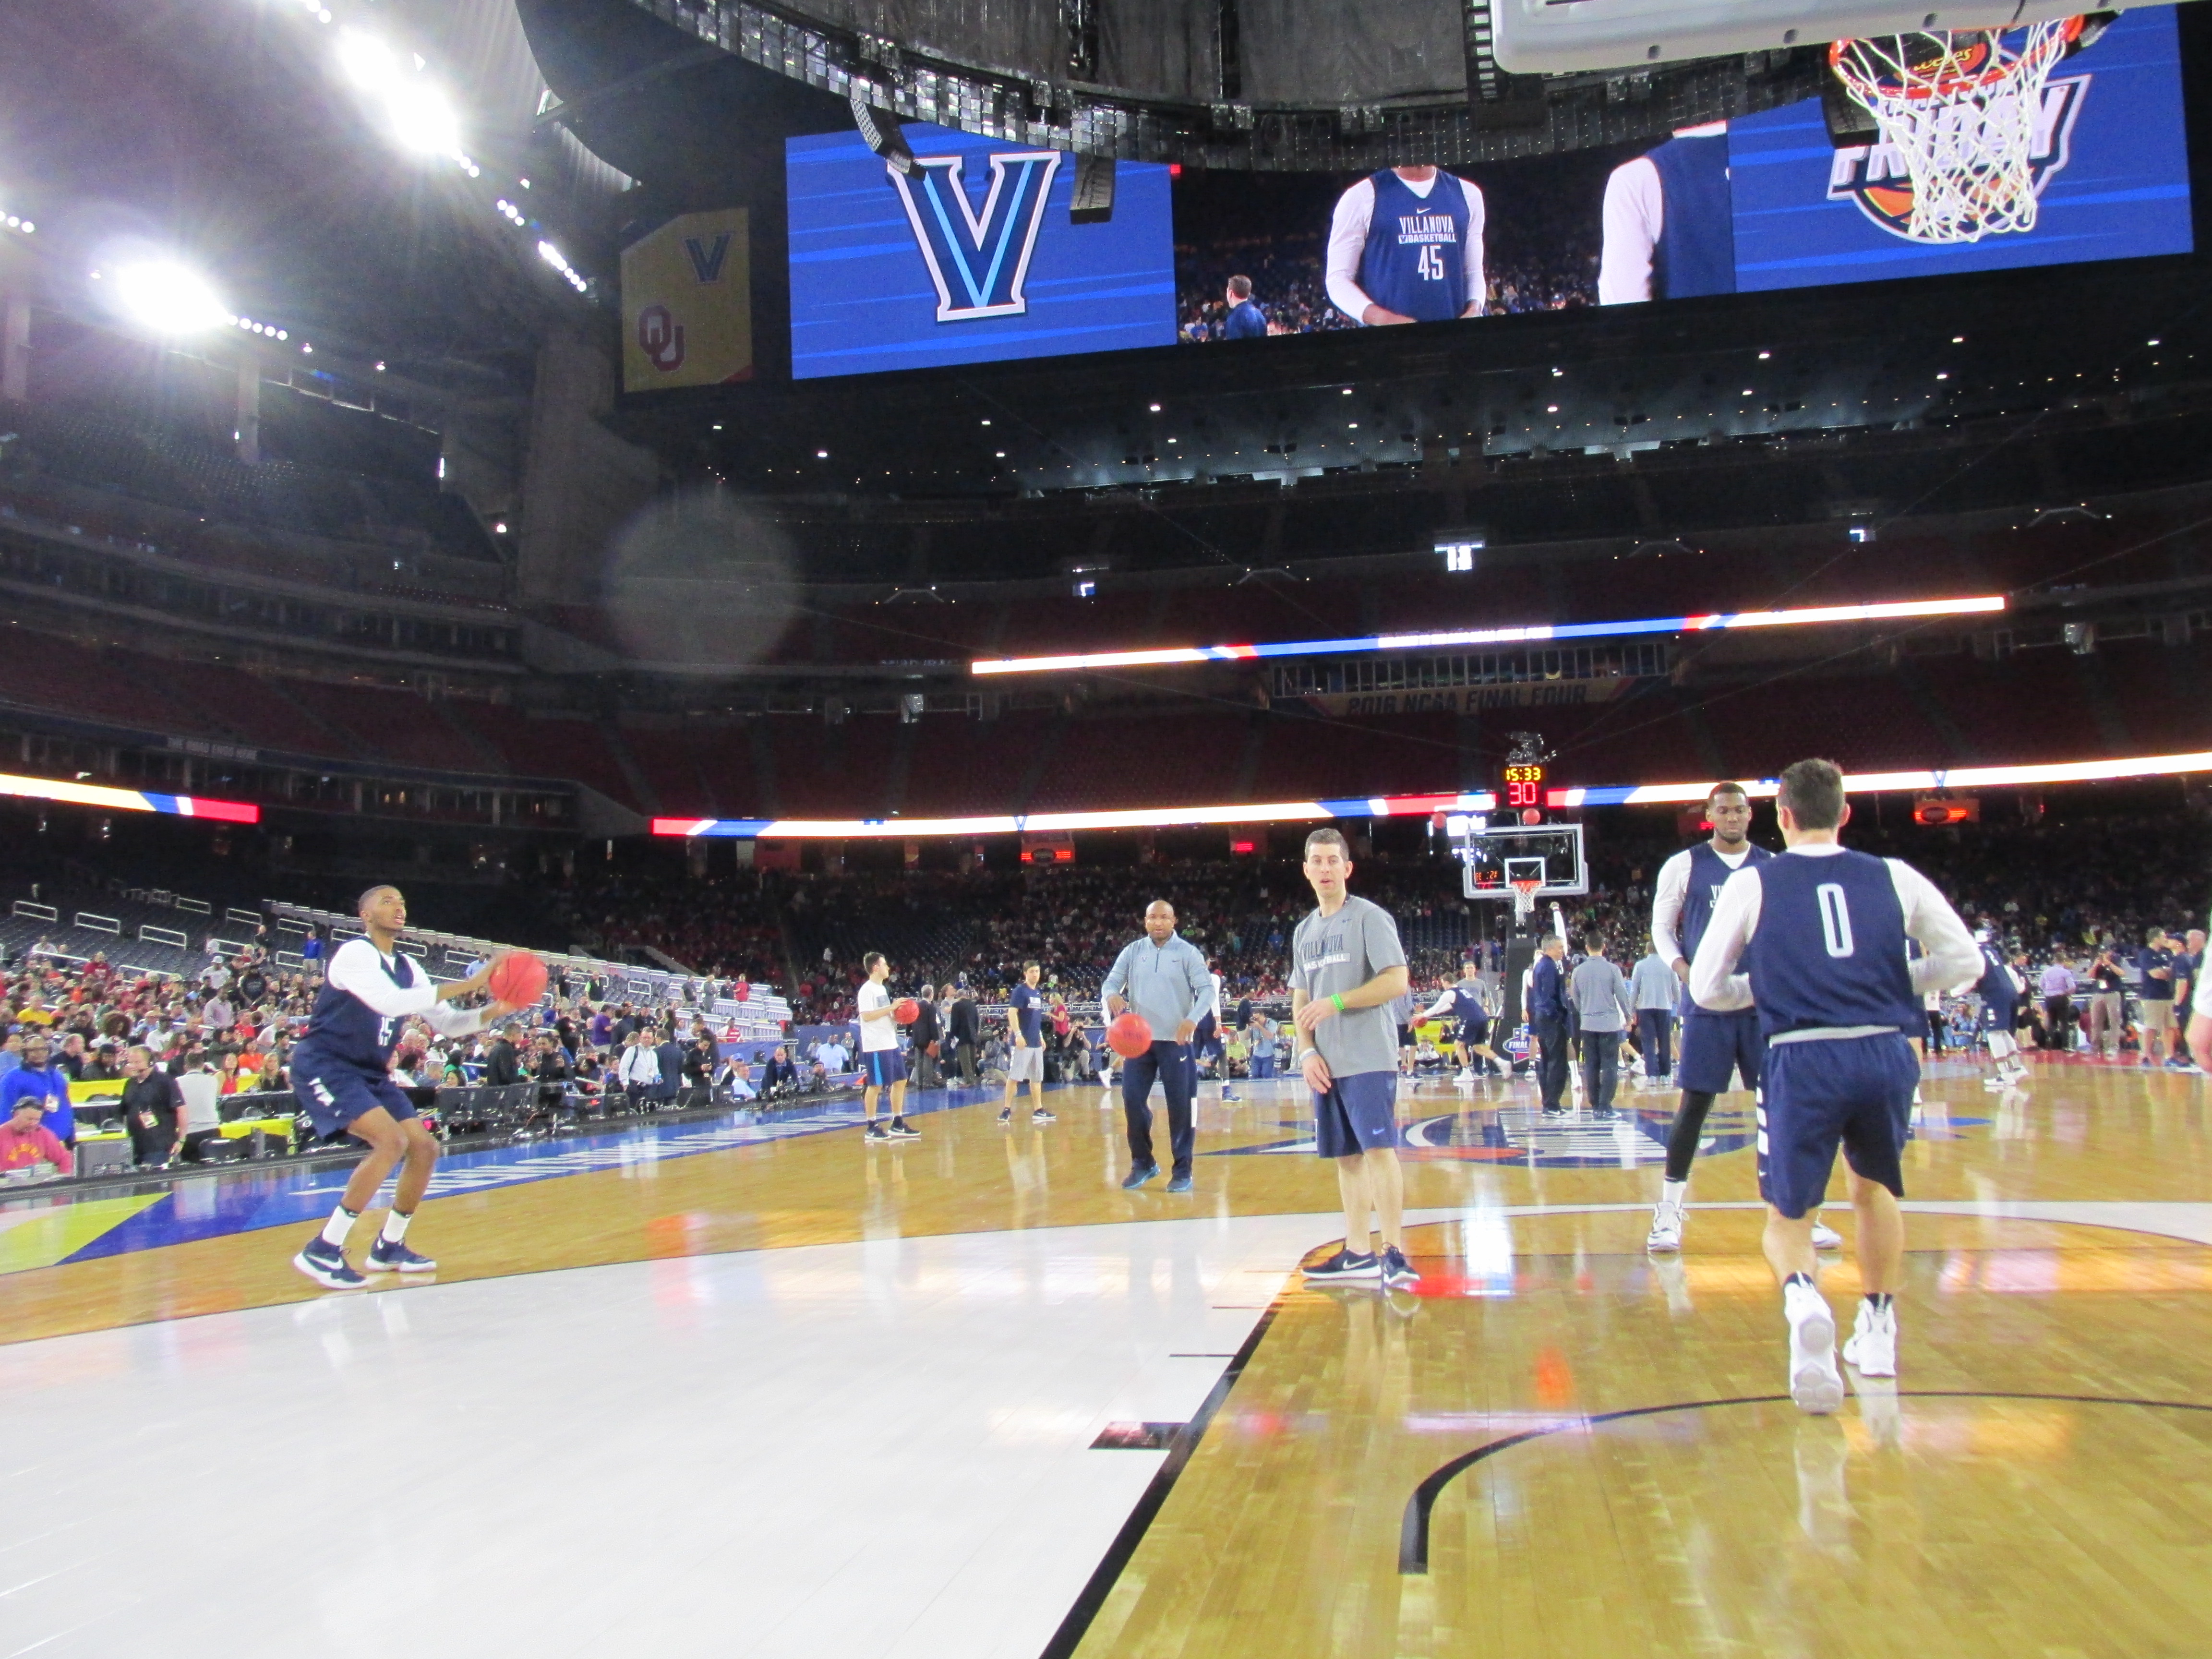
column 1962, row 110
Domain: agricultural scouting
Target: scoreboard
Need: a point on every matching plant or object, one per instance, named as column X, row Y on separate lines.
column 1521, row 788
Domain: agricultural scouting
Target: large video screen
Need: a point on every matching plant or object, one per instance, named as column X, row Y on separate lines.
column 973, row 258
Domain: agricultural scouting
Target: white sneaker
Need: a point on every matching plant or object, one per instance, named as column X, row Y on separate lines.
column 1997, row 1086
column 1463, row 1076
column 1814, row 1382
column 1666, row 1235
column 1826, row 1237
column 1872, row 1346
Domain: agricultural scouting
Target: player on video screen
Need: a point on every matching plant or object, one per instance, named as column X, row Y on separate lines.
column 1670, row 226
column 1405, row 247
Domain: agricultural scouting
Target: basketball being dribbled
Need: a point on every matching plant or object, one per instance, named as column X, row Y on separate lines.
column 1129, row 1036
column 906, row 1010
column 518, row 979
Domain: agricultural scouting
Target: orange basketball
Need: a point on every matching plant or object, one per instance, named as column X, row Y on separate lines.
column 517, row 979
column 1129, row 1036
column 906, row 1010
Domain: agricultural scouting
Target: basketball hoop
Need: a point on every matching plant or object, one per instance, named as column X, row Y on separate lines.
column 1525, row 888
column 1961, row 109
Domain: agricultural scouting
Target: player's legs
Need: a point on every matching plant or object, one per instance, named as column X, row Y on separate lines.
column 1356, row 1127
column 1385, row 1191
column 1179, row 1084
column 1798, row 1137
column 898, row 1104
column 376, row 1130
column 1359, row 1205
column 382, row 1118
column 1138, row 1073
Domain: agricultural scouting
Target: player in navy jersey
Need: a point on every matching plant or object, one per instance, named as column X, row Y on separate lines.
column 2002, row 987
column 1461, row 997
column 1670, row 222
column 1405, row 245
column 1712, row 1046
column 340, row 1073
column 1819, row 936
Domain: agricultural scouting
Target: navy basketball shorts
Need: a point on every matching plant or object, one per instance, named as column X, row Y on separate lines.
column 1475, row 1033
column 1852, row 1092
column 1359, row 1114
column 1714, row 1046
column 333, row 1097
column 880, row 1067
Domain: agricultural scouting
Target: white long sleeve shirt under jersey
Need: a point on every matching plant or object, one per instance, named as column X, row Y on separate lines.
column 356, row 968
column 1672, row 893
column 1635, row 215
column 1348, row 242
column 1949, row 960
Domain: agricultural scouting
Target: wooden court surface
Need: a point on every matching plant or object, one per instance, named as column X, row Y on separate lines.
column 2081, row 1133
column 2038, row 1481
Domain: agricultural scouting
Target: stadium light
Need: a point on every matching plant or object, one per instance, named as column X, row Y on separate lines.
column 555, row 258
column 1453, row 805
column 167, row 297
column 1536, row 633
column 417, row 113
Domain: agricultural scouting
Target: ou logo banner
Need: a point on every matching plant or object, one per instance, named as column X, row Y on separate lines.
column 661, row 337
column 978, row 260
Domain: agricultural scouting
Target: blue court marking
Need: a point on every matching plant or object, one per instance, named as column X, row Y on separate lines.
column 251, row 1202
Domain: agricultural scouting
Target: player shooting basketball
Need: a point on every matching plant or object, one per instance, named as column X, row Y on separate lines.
column 341, row 1073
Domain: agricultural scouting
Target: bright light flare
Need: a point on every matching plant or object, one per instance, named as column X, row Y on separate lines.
column 167, row 297
column 418, row 114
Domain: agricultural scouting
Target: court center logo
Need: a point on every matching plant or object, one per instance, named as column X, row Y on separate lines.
column 1876, row 176
column 979, row 259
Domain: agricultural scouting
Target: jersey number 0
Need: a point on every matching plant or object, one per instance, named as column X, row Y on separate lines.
column 1835, row 918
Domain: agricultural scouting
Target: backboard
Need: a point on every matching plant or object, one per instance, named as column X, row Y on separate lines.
column 1545, row 37
column 1494, row 857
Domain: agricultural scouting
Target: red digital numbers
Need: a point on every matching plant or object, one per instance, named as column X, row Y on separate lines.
column 1524, row 786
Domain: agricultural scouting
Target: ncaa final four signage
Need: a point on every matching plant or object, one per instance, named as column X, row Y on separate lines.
column 687, row 303
column 971, row 258
column 2109, row 163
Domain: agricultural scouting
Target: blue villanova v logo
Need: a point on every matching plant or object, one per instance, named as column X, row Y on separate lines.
column 978, row 261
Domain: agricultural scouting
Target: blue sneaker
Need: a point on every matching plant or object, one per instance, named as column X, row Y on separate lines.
column 1396, row 1270
column 325, row 1263
column 389, row 1255
column 1346, row 1264
column 1137, row 1178
column 1180, row 1184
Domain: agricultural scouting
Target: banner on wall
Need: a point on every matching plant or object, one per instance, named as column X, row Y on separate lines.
column 687, row 303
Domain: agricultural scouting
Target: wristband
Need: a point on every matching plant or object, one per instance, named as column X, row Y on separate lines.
column 1338, row 998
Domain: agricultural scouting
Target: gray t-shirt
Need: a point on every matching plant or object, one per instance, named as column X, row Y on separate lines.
column 1330, row 955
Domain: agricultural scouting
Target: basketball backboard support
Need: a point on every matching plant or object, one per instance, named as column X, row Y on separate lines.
column 1546, row 37
column 1494, row 859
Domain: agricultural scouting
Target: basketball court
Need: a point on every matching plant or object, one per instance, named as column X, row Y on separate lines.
column 756, row 1387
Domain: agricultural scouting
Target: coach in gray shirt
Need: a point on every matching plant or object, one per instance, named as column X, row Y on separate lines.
column 1164, row 977
column 1605, row 1011
column 1654, row 989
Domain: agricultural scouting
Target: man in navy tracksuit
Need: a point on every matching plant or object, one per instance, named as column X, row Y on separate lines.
column 1818, row 936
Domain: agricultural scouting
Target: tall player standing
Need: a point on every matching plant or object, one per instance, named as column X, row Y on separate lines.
column 1405, row 245
column 1347, row 970
column 342, row 1076
column 1819, row 935
column 1712, row 1045
column 883, row 1066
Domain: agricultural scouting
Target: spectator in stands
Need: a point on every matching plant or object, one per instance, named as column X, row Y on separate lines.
column 38, row 1079
column 600, row 1028
column 779, row 1073
column 71, row 1057
column 11, row 1051
column 1245, row 320
column 503, row 1060
column 25, row 1143
column 668, row 1063
column 736, row 1079
column 203, row 1111
column 100, row 1067
column 831, row 1054
column 153, row 1111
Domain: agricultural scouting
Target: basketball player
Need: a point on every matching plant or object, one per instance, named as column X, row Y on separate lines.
column 1405, row 245
column 1462, row 998
column 1026, row 1046
column 1713, row 1045
column 2001, row 989
column 340, row 1073
column 1820, row 934
column 1347, row 968
column 1669, row 221
column 882, row 1064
